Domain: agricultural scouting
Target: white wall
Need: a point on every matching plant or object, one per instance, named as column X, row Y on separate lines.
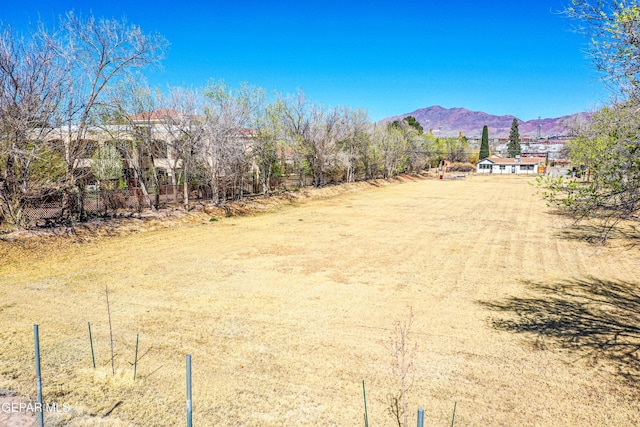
column 508, row 169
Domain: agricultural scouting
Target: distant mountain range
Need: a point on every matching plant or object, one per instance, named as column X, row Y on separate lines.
column 451, row 121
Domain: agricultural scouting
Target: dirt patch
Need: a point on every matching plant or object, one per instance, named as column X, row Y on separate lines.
column 13, row 412
column 134, row 222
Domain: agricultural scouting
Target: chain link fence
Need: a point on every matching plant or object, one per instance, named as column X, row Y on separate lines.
column 46, row 209
column 49, row 209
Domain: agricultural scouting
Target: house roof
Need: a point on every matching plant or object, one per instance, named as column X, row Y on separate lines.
column 247, row 132
column 168, row 115
column 156, row 115
column 160, row 115
column 513, row 161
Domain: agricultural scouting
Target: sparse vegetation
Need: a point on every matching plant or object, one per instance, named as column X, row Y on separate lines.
column 284, row 318
column 462, row 167
column 403, row 351
column 284, row 312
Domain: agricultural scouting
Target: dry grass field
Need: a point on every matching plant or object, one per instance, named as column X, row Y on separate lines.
column 517, row 319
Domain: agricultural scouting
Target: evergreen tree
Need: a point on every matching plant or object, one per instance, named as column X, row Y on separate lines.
column 408, row 121
column 513, row 148
column 411, row 121
column 484, row 145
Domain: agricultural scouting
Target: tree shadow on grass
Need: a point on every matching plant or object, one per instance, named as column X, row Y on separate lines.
column 597, row 319
column 598, row 234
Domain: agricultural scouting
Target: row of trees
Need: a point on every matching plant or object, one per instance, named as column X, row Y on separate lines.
column 74, row 110
column 222, row 137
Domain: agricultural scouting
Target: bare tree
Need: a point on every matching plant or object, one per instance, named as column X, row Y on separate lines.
column 92, row 53
column 185, row 130
column 226, row 152
column 30, row 92
column 267, row 142
column 369, row 152
column 403, row 351
column 390, row 144
column 315, row 131
column 131, row 116
column 354, row 144
column 295, row 124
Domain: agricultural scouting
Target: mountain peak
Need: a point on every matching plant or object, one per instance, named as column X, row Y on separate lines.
column 451, row 121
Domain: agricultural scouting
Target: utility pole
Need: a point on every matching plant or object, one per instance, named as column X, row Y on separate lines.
column 539, row 130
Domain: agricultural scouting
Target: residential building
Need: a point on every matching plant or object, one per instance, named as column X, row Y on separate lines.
column 517, row 165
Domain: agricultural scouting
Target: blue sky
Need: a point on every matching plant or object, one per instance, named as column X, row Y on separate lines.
column 500, row 57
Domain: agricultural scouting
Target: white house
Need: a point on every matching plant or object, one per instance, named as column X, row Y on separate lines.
column 518, row 165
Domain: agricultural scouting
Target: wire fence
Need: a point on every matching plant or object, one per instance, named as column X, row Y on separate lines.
column 51, row 208
column 44, row 406
column 47, row 209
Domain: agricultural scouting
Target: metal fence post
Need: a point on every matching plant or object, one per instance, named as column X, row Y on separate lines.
column 135, row 362
column 366, row 414
column 453, row 419
column 189, row 404
column 420, row 417
column 38, row 377
column 93, row 355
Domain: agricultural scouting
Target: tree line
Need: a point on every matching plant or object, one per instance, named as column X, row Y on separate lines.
column 61, row 88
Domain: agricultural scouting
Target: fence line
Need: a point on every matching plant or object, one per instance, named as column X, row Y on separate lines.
column 47, row 209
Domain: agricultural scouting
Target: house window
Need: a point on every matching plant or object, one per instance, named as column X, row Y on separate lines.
column 485, row 166
column 502, row 167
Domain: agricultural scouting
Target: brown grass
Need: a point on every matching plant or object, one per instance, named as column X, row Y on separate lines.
column 285, row 313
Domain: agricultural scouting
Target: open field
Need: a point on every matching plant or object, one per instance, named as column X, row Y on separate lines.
column 517, row 320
